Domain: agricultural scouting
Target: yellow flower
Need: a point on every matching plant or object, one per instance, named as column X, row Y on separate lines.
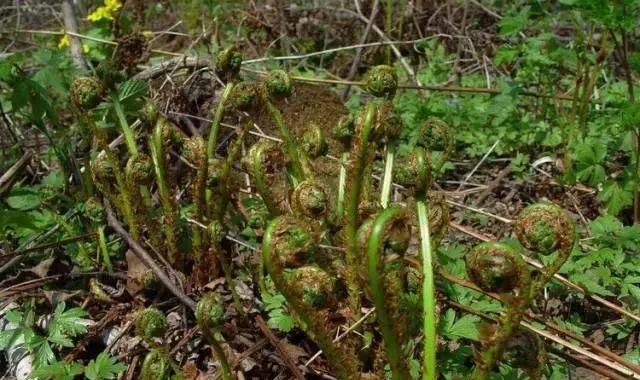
column 64, row 42
column 106, row 11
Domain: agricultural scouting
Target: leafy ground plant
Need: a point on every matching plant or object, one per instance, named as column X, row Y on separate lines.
column 171, row 174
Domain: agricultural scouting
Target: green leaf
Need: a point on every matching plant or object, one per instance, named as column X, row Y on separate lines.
column 133, row 88
column 463, row 327
column 103, row 368
column 58, row 370
column 67, row 323
column 511, row 25
column 615, row 197
column 23, row 199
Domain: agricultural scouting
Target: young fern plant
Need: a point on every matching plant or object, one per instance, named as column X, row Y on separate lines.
column 210, row 316
column 151, row 325
column 288, row 249
column 385, row 239
column 495, row 267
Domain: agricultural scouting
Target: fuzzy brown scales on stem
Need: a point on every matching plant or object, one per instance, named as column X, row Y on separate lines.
column 288, row 249
column 495, row 267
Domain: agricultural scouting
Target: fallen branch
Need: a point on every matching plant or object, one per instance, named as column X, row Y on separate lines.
column 146, row 259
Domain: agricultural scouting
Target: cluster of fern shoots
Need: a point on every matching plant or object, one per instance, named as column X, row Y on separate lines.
column 329, row 240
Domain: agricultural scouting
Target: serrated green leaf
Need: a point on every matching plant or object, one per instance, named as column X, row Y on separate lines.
column 104, row 367
column 133, row 88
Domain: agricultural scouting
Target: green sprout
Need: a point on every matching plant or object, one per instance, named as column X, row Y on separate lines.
column 382, row 81
column 86, row 92
column 210, row 316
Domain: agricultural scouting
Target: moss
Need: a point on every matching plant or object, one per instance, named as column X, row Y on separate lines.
column 150, row 323
column 86, row 92
column 382, row 81
column 545, row 228
column 210, row 311
column 227, row 63
column 278, row 84
column 495, row 267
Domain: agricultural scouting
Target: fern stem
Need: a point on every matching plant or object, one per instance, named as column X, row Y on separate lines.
column 356, row 173
column 387, row 177
column 393, row 346
column 428, row 295
column 217, row 119
column 103, row 249
column 126, row 130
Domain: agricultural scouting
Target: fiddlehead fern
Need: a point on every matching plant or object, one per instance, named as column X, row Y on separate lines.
column 496, row 267
column 194, row 150
column 227, row 63
column 545, row 228
column 288, row 245
column 86, row 92
column 156, row 366
column 525, row 350
column 382, row 81
column 210, row 316
column 277, row 84
column 150, row 324
column 313, row 141
column 388, row 240
column 264, row 163
column 159, row 143
column 310, row 199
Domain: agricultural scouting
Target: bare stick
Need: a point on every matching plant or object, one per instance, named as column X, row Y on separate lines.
column 144, row 256
column 71, row 25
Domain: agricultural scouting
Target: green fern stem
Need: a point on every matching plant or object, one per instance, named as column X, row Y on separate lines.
column 217, row 119
column 129, row 137
column 428, row 295
column 356, row 173
column 169, row 208
column 255, row 159
column 387, row 178
column 224, row 194
column 340, row 361
column 102, row 241
column 299, row 170
column 392, row 343
column 225, row 368
column 125, row 197
column 342, row 182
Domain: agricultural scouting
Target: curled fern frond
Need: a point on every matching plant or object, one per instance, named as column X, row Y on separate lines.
column 382, row 81
column 313, row 141
column 227, row 63
column 436, row 136
column 264, row 162
column 210, row 311
column 413, row 170
column 244, row 96
column 156, row 366
column 86, row 92
column 139, row 170
column 344, row 130
column 310, row 199
column 545, row 228
column 210, row 316
column 278, row 84
column 150, row 324
column 496, row 267
column 287, row 244
column 525, row 350
column 316, row 285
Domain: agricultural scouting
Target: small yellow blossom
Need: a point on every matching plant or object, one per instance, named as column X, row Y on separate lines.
column 147, row 34
column 106, row 11
column 64, row 41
